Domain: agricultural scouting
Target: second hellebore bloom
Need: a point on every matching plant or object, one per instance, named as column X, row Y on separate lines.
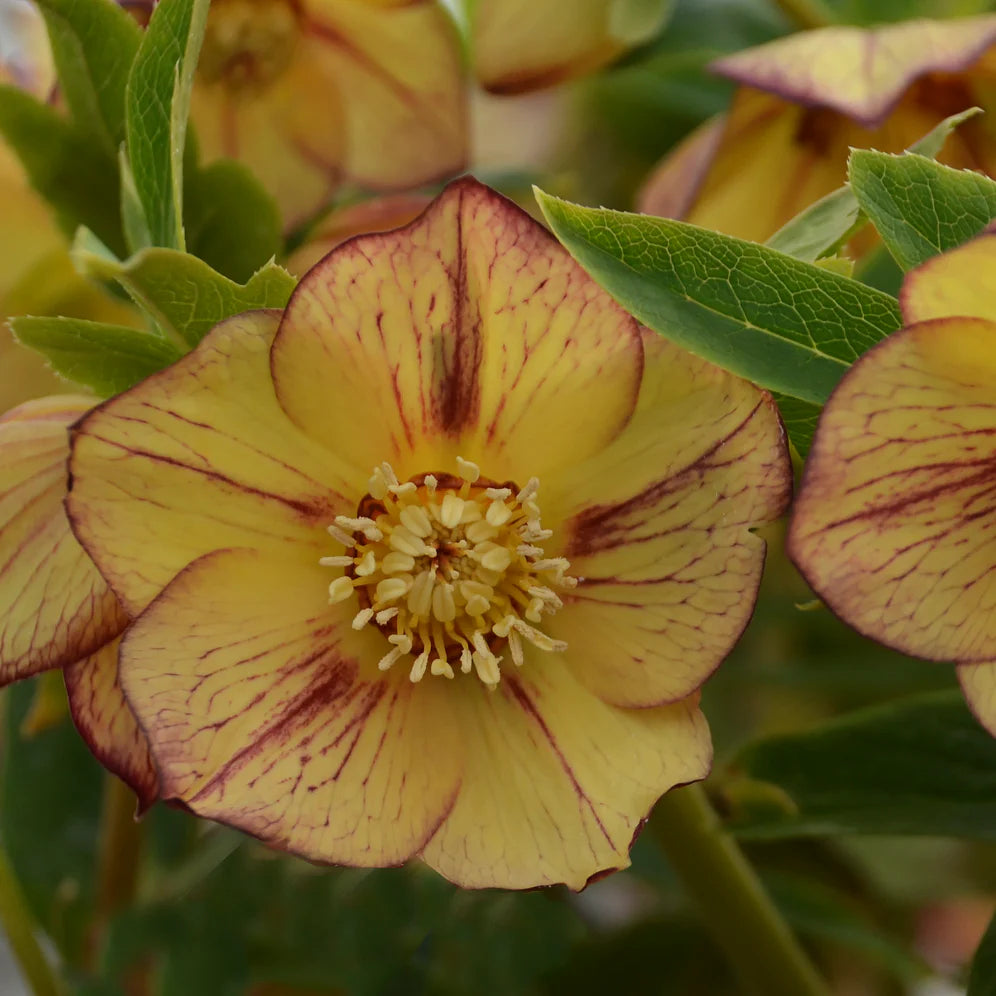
column 435, row 562
column 806, row 99
column 894, row 522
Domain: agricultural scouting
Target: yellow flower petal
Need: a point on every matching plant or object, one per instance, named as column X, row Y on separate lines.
column 267, row 131
column 521, row 45
column 671, row 188
column 380, row 214
column 54, row 605
column 978, row 684
column 371, row 92
column 260, row 715
column 892, row 526
column 107, row 724
column 959, row 282
column 860, row 72
column 659, row 529
column 470, row 331
column 556, row 783
column 196, row 457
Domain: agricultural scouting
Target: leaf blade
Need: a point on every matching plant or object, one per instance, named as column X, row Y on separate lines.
column 782, row 323
column 106, row 358
column 920, row 207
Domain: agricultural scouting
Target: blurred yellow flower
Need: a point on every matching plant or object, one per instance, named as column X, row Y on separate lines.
column 314, row 93
column 435, row 562
column 894, row 525
column 806, row 99
column 521, row 45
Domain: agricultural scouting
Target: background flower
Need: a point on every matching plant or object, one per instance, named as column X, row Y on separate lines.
column 894, row 519
column 468, row 336
column 806, row 99
column 315, row 94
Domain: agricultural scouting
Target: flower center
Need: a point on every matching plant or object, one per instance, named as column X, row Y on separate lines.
column 248, row 43
column 449, row 568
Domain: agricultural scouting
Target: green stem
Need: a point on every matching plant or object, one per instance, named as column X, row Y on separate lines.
column 20, row 928
column 120, row 847
column 738, row 912
column 806, row 14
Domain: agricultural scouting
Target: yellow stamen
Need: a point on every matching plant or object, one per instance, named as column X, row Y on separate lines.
column 450, row 572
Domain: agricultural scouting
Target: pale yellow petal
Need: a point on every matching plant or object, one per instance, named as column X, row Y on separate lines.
column 464, row 333
column 659, row 527
column 262, row 131
column 895, row 523
column 557, row 783
column 265, row 710
column 521, row 45
column 860, row 72
column 54, row 605
column 379, row 214
column 670, row 190
column 400, row 79
column 370, row 93
column 197, row 457
column 978, row 684
column 958, row 282
column 107, row 724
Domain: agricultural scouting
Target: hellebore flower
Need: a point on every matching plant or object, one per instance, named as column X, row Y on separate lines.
column 313, row 93
column 893, row 525
column 806, row 99
column 56, row 611
column 435, row 562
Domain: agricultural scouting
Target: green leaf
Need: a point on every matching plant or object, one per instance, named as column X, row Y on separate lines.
column 64, row 165
column 49, row 817
column 982, row 980
column 633, row 22
column 157, row 105
column 831, row 914
column 920, row 207
column 800, row 418
column 920, row 766
column 826, row 226
column 107, row 358
column 93, row 43
column 782, row 323
column 821, row 229
column 182, row 293
column 133, row 220
column 932, row 143
column 232, row 223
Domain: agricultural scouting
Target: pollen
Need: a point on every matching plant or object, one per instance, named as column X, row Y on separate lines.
column 449, row 568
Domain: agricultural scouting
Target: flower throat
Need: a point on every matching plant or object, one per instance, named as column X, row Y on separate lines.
column 449, row 567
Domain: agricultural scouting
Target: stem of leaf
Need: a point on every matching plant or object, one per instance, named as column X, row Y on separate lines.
column 20, row 928
column 120, row 847
column 744, row 922
column 806, row 14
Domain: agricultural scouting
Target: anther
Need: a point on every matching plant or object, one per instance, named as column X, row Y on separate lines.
column 451, row 510
column 367, row 564
column 340, row 589
column 336, row 561
column 362, row 618
column 470, row 472
column 529, row 491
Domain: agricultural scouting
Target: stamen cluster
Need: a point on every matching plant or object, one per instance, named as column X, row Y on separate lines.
column 449, row 568
column 248, row 43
